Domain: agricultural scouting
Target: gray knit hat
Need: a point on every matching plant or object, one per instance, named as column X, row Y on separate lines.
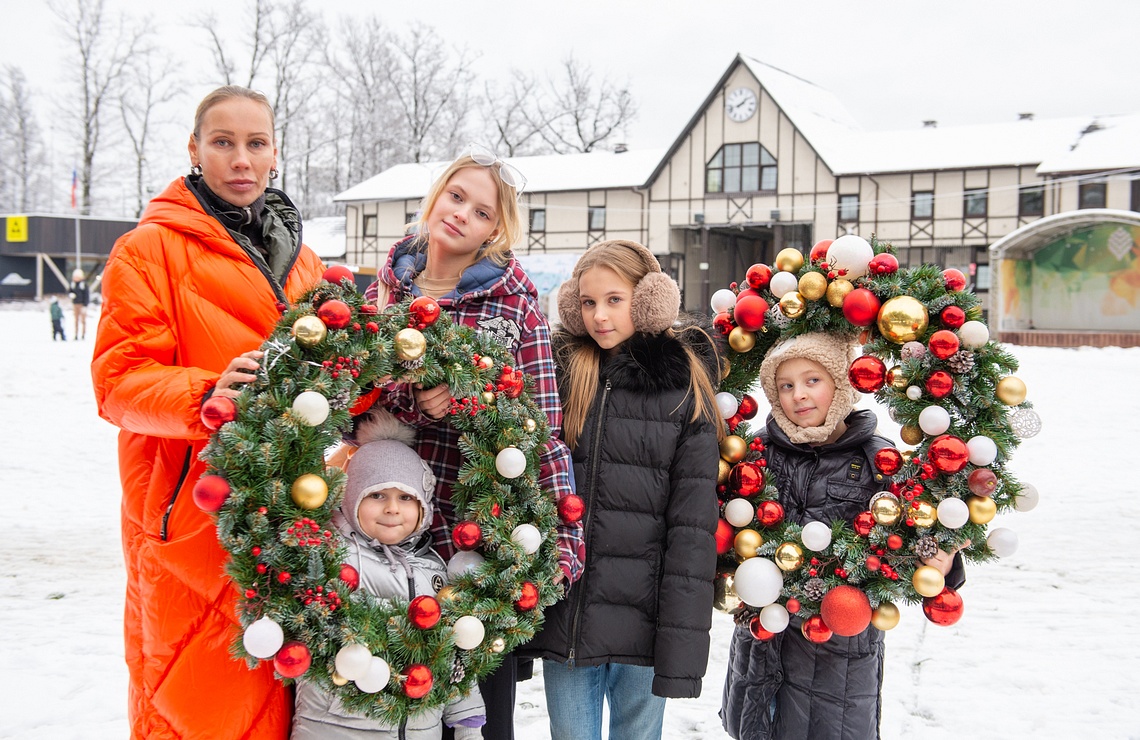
column 835, row 353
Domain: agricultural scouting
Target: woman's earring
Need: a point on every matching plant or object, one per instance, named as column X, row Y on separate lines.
column 195, row 169
column 273, row 173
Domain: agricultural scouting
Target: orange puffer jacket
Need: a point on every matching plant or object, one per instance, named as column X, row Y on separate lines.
column 182, row 299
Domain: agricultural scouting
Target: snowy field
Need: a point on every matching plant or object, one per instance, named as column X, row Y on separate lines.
column 1045, row 648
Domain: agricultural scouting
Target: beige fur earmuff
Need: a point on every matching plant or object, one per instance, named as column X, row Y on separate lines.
column 656, row 297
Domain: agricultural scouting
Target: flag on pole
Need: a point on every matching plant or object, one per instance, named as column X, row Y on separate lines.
column 74, row 185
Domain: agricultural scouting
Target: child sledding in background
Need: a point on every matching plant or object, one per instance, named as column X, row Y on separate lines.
column 384, row 518
column 819, row 452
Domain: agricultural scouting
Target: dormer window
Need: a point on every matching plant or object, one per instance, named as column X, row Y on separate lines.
column 741, row 168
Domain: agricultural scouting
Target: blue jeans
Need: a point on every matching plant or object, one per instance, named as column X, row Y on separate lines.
column 574, row 699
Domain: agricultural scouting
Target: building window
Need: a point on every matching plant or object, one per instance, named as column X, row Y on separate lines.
column 976, row 203
column 537, row 220
column 848, row 208
column 741, row 168
column 922, row 205
column 1093, row 194
column 1136, row 195
column 370, row 224
column 1031, row 201
column 411, row 223
column 597, row 218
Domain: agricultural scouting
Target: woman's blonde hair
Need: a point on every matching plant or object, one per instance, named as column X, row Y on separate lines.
column 582, row 359
column 229, row 92
column 509, row 230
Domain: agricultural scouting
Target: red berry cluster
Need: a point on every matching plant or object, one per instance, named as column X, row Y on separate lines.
column 349, row 365
column 328, row 599
column 467, row 405
column 372, row 327
column 308, row 532
column 832, row 274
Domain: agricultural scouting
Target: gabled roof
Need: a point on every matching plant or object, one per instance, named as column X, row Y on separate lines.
column 1105, row 143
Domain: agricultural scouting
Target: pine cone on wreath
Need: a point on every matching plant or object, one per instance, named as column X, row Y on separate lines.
column 814, row 589
column 926, row 547
column 961, row 362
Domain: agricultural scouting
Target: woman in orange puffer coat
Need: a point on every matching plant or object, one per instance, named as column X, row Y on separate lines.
column 189, row 296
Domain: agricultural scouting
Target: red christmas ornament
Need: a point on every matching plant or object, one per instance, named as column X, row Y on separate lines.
column 417, row 681
column 982, row 482
column 349, row 576
column 949, row 454
column 496, row 509
column 368, row 308
column 770, row 513
column 846, row 610
column 749, row 312
column 466, row 535
column 747, row 291
column 953, row 317
column 724, row 535
column 424, row 310
column 888, row 460
column 734, row 421
column 939, row 384
column 528, row 599
column 571, row 508
column 758, row 276
column 793, row 606
column 336, row 273
column 894, row 542
column 758, row 630
column 943, row 344
column 872, row 563
column 218, row 410
column 293, row 659
column 210, row 492
column 746, row 479
column 513, row 382
column 723, row 323
column 819, row 250
column 861, row 307
column 423, row 612
column 748, row 407
column 883, row 264
column 814, row 629
column 954, row 279
column 944, row 609
column 863, row 523
column 867, row 373
column 336, row 314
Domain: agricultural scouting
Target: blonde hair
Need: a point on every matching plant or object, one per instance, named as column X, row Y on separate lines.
column 582, row 359
column 509, row 230
column 229, row 92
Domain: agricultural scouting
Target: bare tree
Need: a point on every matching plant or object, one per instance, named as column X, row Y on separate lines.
column 22, row 184
column 586, row 114
column 514, row 114
column 150, row 85
column 256, row 37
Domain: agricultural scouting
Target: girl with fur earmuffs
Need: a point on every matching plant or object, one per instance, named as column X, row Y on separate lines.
column 637, row 391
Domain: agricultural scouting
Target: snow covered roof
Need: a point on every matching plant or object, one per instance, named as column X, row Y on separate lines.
column 545, row 174
column 1105, row 143
column 325, row 236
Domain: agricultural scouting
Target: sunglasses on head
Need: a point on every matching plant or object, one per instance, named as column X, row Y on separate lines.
column 484, row 157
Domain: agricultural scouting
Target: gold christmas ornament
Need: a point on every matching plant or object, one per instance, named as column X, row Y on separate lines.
column 896, row 378
column 789, row 260
column 902, row 319
column 447, row 593
column 928, row 581
column 885, row 617
column 886, row 510
column 486, row 363
column 338, row 680
column 910, row 435
column 726, row 368
column 1011, row 391
column 982, row 509
column 724, row 593
column 487, row 397
column 529, row 425
column 837, row 290
column 813, row 286
column 733, row 449
column 793, row 305
column 497, row 645
column 309, row 491
column 410, row 345
column 746, row 543
column 789, row 556
column 723, row 469
column 740, row 340
column 309, row 331
column 924, row 516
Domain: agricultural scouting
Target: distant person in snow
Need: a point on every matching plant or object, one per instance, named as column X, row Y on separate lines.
column 80, row 295
column 189, row 295
column 56, row 320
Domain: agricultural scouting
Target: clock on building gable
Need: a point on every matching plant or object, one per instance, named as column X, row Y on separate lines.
column 740, row 104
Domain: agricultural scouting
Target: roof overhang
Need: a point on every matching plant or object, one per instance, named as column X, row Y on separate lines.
column 1029, row 238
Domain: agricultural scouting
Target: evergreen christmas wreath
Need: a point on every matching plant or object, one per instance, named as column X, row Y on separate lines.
column 928, row 357
column 274, row 498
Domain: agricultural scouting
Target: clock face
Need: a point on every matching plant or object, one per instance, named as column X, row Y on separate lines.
column 740, row 104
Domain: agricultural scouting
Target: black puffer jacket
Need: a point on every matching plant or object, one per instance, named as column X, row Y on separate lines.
column 827, row 691
column 648, row 478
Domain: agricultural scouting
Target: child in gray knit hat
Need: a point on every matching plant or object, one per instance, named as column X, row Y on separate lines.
column 384, row 519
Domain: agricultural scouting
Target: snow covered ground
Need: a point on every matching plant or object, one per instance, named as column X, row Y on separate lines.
column 1045, row 649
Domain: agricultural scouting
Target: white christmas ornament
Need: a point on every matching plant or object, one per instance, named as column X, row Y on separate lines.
column 1025, row 423
column 468, row 631
column 1003, row 542
column 738, row 512
column 758, row 582
column 463, row 561
column 376, row 678
column 934, row 420
column 263, row 638
column 913, row 392
column 1028, row 498
column 726, row 404
column 983, row 451
column 851, row 253
column 973, row 334
column 312, row 407
column 510, row 462
column 781, row 283
column 353, row 661
column 527, row 537
column 816, row 537
column 953, row 513
column 774, row 618
column 722, row 300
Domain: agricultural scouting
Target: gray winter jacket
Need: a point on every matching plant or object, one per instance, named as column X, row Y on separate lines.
column 321, row 716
